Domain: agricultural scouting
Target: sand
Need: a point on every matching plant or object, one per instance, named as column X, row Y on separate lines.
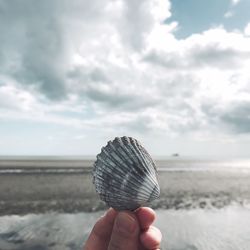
column 39, row 193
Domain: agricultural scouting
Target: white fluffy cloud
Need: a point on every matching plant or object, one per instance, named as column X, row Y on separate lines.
column 116, row 67
column 235, row 2
column 247, row 30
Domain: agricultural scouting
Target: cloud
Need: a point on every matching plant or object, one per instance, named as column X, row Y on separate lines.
column 235, row 2
column 198, row 57
column 108, row 67
column 237, row 117
column 13, row 99
column 206, row 50
column 40, row 38
column 113, row 88
column 247, row 30
column 234, row 117
column 33, row 45
column 37, row 49
column 214, row 55
column 228, row 14
column 139, row 18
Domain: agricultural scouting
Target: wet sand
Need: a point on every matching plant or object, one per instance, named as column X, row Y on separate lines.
column 197, row 229
column 74, row 192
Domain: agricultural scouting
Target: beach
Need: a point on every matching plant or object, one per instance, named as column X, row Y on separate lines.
column 58, row 195
column 66, row 186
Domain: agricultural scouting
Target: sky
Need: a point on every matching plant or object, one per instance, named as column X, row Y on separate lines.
column 172, row 74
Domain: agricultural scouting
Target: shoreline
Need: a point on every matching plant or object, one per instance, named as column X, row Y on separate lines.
column 43, row 166
column 41, row 163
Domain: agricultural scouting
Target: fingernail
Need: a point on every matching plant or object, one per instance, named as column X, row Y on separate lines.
column 126, row 223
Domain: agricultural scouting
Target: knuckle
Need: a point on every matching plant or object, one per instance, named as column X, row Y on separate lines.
column 119, row 240
column 125, row 235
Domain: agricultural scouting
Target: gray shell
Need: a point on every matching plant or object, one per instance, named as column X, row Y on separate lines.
column 125, row 175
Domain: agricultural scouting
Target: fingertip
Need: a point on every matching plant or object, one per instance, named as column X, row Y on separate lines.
column 128, row 221
column 146, row 216
column 110, row 215
column 151, row 238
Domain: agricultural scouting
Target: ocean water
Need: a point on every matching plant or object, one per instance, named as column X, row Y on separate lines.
column 79, row 164
column 203, row 164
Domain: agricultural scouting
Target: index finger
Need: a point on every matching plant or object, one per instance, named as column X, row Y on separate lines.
column 101, row 232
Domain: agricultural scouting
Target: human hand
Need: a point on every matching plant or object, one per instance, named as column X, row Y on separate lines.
column 125, row 231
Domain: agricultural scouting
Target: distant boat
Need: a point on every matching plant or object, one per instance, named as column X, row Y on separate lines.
column 175, row 155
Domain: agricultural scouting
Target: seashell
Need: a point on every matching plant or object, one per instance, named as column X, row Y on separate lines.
column 125, row 175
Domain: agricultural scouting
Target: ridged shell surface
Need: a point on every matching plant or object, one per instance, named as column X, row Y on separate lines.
column 125, row 175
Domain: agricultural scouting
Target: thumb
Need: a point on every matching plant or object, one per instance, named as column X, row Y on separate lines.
column 125, row 234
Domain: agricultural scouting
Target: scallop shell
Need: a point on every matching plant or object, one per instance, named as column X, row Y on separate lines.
column 125, row 175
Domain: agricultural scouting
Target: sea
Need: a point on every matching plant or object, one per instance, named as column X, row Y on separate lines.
column 78, row 164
